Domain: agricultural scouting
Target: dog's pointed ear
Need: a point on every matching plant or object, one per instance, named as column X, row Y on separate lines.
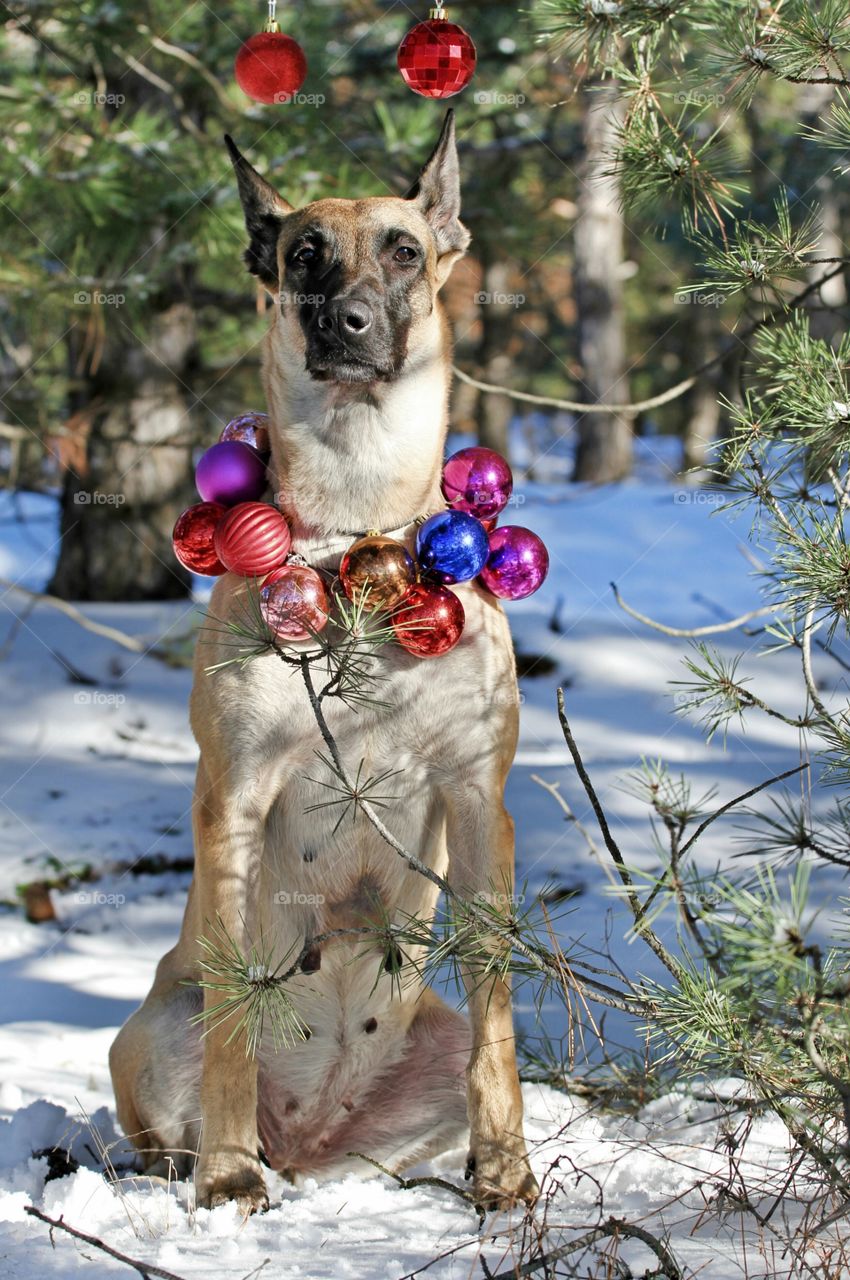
column 436, row 194
column 264, row 213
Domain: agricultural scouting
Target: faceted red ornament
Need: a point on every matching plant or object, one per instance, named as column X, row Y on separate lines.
column 429, row 621
column 249, row 428
column 252, row 539
column 294, row 602
column 436, row 58
column 193, row 538
column 270, row 67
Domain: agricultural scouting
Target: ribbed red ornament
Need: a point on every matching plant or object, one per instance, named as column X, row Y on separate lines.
column 252, row 539
column 436, row 58
column 270, row 67
column 429, row 621
column 193, row 538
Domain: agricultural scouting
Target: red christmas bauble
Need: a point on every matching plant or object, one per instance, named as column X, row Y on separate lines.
column 252, row 539
column 270, row 67
column 436, row 58
column 294, row 602
column 193, row 538
column 429, row 621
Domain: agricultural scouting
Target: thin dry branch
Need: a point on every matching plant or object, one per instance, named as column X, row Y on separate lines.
column 711, row 629
column 612, row 1229
column 145, row 1269
column 88, row 624
column 643, row 928
column 672, row 393
column 576, row 406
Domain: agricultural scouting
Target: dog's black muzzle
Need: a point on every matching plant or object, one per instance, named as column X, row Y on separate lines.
column 349, row 339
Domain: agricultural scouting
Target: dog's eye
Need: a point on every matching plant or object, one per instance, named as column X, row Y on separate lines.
column 404, row 253
column 305, row 255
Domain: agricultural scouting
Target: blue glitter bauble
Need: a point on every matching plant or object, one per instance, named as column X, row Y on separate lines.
column 452, row 547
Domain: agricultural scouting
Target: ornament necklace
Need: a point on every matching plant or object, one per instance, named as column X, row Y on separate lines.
column 232, row 530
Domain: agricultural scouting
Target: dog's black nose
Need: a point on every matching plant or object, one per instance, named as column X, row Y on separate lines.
column 347, row 317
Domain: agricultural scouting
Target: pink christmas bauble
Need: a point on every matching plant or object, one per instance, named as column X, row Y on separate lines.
column 294, row 602
column 478, row 481
column 252, row 539
column 517, row 564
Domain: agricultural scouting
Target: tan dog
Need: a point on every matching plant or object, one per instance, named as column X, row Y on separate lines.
column 356, row 372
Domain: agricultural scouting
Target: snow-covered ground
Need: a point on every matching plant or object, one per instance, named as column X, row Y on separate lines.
column 96, row 773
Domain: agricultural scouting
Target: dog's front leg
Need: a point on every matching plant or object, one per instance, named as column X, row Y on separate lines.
column 480, row 838
column 228, row 851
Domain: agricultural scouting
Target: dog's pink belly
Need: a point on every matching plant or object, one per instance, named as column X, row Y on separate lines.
column 387, row 1108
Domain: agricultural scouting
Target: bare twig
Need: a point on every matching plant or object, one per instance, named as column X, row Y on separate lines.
column 672, row 393
column 612, row 1229
column 690, row 632
column 145, row 1269
column 808, row 675
column 730, row 804
column 554, row 790
column 643, row 928
column 88, row 624
column 408, row 1184
column 576, row 406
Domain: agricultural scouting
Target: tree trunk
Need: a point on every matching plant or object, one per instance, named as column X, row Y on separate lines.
column 127, row 484
column 703, row 423
column 605, row 440
column 825, row 320
column 494, row 412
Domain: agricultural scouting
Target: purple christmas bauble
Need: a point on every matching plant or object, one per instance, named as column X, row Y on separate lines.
column 477, row 480
column 517, row 564
column 452, row 546
column 250, row 428
column 231, row 472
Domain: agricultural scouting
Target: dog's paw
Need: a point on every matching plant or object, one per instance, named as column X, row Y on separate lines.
column 501, row 1177
column 247, row 1189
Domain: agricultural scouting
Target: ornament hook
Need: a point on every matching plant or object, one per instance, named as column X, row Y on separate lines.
column 272, row 23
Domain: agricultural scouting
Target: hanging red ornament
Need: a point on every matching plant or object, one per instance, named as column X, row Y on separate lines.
column 294, row 602
column 193, row 538
column 436, row 58
column 429, row 621
column 270, row 67
column 252, row 539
